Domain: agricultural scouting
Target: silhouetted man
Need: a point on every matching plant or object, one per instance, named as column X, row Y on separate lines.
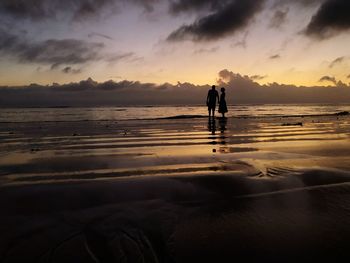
column 212, row 97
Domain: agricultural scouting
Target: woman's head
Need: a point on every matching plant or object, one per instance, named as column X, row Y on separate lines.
column 222, row 89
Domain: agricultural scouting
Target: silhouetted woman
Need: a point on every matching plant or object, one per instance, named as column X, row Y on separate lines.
column 222, row 103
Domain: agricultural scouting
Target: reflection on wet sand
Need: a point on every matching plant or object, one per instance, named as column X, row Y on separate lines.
column 207, row 190
column 168, row 142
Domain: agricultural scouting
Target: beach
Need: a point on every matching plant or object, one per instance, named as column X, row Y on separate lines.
column 181, row 188
column 109, row 150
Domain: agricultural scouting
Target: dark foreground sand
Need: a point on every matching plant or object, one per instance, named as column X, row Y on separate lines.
column 176, row 190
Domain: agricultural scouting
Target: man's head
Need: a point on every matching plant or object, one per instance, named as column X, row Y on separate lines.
column 213, row 87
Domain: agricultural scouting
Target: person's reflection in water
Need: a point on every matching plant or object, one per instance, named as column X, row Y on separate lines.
column 211, row 125
column 222, row 123
column 222, row 139
column 212, row 129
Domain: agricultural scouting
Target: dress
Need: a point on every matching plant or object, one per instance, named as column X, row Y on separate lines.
column 222, row 104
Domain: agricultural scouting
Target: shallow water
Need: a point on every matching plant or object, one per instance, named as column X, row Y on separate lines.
column 259, row 189
column 153, row 112
column 58, row 151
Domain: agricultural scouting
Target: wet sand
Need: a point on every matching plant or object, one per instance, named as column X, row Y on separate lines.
column 176, row 190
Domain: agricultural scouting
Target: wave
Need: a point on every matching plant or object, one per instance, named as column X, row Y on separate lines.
column 179, row 117
column 343, row 113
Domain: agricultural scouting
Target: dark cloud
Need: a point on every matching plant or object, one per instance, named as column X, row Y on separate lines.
column 44, row 9
column 148, row 5
column 35, row 9
column 242, row 89
column 278, row 18
column 332, row 17
column 195, row 5
column 51, row 52
column 57, row 53
column 77, row 9
column 60, row 52
column 258, row 77
column 85, row 9
column 70, row 70
column 239, row 89
column 276, row 56
column 336, row 61
column 304, row 3
column 94, row 34
column 227, row 18
column 348, row 76
column 328, row 78
column 92, row 93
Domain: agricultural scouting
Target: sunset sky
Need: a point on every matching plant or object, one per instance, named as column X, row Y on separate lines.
column 304, row 42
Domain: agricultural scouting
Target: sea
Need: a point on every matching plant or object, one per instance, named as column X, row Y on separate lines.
column 57, row 114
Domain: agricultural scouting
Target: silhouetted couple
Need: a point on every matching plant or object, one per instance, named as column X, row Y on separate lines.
column 212, row 98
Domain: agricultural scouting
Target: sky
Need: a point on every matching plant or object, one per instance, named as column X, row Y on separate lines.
column 304, row 43
column 290, row 42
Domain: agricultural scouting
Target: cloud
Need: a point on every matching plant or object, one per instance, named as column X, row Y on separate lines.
column 195, row 5
column 94, row 34
column 85, row 9
column 51, row 52
column 278, row 18
column 276, row 56
column 332, row 17
column 91, row 93
column 25, row 9
column 241, row 43
column 70, row 70
column 243, row 89
column 338, row 60
column 258, row 77
column 77, row 10
column 43, row 9
column 58, row 52
column 304, row 3
column 206, row 50
column 228, row 18
column 239, row 89
column 328, row 78
column 348, row 76
column 226, row 76
column 120, row 56
column 148, row 5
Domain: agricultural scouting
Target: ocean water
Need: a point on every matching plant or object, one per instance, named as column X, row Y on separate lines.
column 154, row 112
